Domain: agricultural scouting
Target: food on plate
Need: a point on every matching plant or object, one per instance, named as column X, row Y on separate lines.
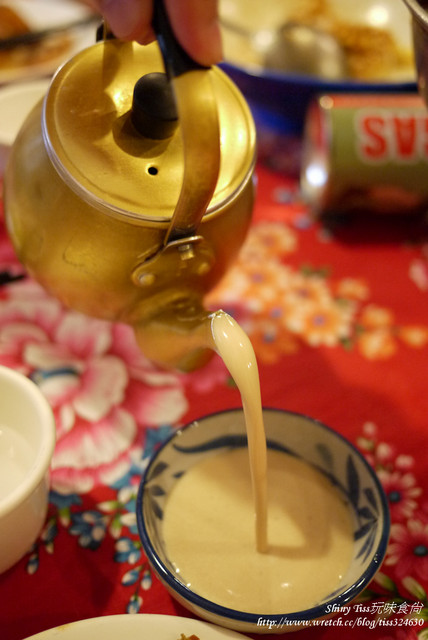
column 11, row 24
column 31, row 54
column 371, row 52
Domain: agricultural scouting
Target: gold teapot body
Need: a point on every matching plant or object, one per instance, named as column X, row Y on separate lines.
column 89, row 200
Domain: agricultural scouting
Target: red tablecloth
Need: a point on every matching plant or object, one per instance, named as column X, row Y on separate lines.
column 338, row 317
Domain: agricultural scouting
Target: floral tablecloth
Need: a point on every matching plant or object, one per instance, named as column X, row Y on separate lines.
column 338, row 316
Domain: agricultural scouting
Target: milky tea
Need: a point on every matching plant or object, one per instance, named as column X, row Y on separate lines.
column 246, row 528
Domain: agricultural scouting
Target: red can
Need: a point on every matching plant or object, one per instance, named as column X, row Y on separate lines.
column 366, row 153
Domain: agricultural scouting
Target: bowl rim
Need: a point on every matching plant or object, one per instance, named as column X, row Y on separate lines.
column 324, row 84
column 252, row 618
column 42, row 460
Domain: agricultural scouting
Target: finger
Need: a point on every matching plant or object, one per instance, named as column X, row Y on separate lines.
column 128, row 19
column 196, row 26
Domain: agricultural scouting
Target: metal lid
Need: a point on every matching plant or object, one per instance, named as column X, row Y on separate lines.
column 92, row 143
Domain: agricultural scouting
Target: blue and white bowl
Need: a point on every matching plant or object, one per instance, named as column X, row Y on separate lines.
column 295, row 434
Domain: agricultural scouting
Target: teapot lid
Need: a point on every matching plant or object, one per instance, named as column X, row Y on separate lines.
column 94, row 145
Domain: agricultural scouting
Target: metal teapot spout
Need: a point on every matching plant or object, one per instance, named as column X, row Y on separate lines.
column 177, row 336
column 169, row 319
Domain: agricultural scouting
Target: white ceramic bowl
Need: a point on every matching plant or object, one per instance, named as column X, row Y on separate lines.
column 302, row 437
column 27, row 441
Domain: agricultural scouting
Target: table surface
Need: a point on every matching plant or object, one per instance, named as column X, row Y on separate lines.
column 338, row 317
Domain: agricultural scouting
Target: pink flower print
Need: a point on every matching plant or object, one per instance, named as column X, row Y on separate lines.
column 404, row 462
column 401, row 491
column 103, row 392
column 382, row 455
column 94, row 453
column 9, row 263
column 212, row 374
column 418, row 273
column 408, row 550
column 385, row 454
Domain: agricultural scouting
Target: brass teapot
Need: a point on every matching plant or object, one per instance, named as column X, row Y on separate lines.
column 129, row 205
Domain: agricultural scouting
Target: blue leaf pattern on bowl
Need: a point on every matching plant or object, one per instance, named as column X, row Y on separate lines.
column 325, row 455
column 371, row 498
column 353, row 492
column 362, row 501
column 229, row 441
column 158, row 469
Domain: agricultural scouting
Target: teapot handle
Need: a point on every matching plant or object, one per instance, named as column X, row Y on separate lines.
column 176, row 60
column 198, row 116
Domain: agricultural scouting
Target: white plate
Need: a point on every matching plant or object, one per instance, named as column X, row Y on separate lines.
column 43, row 14
column 390, row 16
column 16, row 102
column 137, row 627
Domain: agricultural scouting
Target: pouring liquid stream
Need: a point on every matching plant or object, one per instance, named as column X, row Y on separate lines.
column 210, row 513
column 234, row 347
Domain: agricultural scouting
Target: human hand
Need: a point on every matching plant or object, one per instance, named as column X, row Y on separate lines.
column 194, row 22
